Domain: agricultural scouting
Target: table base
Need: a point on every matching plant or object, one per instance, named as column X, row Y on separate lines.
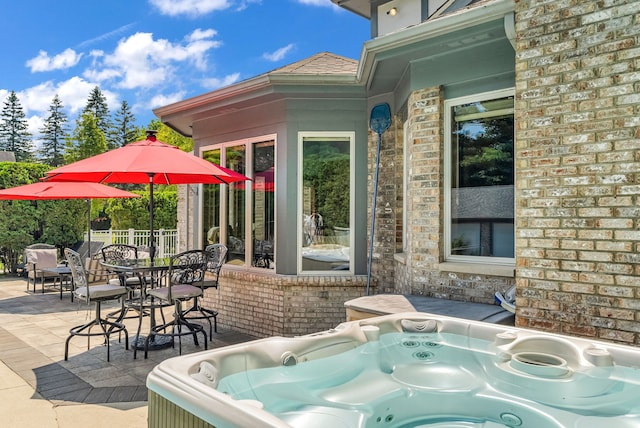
column 158, row 342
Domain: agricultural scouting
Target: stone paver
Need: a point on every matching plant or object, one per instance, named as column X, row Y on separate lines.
column 39, row 389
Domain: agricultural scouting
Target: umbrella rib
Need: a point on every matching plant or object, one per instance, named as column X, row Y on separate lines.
column 48, row 178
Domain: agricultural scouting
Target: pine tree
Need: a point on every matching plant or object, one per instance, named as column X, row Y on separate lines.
column 87, row 140
column 98, row 108
column 54, row 132
column 125, row 130
column 14, row 136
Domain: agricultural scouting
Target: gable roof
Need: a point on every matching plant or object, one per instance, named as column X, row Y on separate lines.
column 324, row 63
column 335, row 73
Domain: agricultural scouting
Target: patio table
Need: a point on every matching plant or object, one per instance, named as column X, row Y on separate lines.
column 146, row 269
column 63, row 274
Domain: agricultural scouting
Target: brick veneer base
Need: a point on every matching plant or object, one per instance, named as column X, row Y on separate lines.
column 265, row 304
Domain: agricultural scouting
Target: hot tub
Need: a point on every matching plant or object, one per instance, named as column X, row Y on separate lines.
column 400, row 371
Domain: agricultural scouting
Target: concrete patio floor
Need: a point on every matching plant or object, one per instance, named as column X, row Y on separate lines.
column 39, row 389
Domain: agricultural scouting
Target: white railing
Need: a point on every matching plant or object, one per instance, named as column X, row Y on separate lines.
column 166, row 239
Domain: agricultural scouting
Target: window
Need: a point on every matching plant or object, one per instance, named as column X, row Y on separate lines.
column 479, row 178
column 211, row 204
column 243, row 212
column 325, row 195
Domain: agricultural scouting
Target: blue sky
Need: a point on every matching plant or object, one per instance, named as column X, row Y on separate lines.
column 155, row 52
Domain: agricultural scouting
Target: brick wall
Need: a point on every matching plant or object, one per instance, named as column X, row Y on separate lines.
column 417, row 271
column 275, row 305
column 578, row 167
column 385, row 232
column 425, row 193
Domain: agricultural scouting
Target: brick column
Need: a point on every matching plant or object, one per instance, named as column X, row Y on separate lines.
column 578, row 167
column 384, row 244
column 425, row 191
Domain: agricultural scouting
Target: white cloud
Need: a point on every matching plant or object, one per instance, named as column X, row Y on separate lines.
column 37, row 98
column 73, row 93
column 34, row 125
column 191, row 8
column 199, row 34
column 215, row 83
column 163, row 100
column 278, row 54
column 43, row 62
column 326, row 3
column 243, row 4
column 139, row 61
column 100, row 75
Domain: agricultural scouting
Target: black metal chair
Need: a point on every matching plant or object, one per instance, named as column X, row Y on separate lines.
column 181, row 283
column 133, row 283
column 217, row 255
column 93, row 294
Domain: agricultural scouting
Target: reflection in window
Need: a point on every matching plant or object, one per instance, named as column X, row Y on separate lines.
column 481, row 206
column 211, row 204
column 250, row 201
column 326, row 199
column 263, row 222
column 235, row 159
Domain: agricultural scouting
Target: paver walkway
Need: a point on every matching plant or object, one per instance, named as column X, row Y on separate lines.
column 33, row 329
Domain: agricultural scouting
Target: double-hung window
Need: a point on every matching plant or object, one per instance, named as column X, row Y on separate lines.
column 479, row 178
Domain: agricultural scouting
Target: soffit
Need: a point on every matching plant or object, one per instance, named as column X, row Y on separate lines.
column 386, row 60
column 335, row 74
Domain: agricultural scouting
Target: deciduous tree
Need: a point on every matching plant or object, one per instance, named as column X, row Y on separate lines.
column 87, row 140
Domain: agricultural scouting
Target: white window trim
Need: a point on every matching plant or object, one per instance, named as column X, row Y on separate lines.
column 448, row 104
column 352, row 180
column 405, row 183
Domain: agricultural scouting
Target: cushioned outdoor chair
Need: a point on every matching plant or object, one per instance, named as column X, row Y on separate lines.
column 116, row 253
column 181, row 283
column 93, row 294
column 37, row 258
column 119, row 252
column 217, row 254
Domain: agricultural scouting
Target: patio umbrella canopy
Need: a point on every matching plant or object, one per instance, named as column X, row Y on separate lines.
column 65, row 190
column 146, row 162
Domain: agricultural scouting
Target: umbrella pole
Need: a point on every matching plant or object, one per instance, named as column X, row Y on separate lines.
column 152, row 241
column 373, row 213
column 89, row 224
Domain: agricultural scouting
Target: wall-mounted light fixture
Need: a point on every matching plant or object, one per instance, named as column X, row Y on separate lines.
column 393, row 11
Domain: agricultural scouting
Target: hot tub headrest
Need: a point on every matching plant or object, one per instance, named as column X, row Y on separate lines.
column 207, row 374
column 419, row 326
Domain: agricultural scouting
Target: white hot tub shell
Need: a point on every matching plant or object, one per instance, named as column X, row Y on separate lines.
column 402, row 370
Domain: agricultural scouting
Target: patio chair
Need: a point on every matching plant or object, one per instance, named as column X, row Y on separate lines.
column 133, row 283
column 119, row 252
column 87, row 249
column 217, row 254
column 93, row 294
column 181, row 283
column 37, row 258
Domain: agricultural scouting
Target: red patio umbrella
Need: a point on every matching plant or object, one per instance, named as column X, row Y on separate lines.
column 146, row 162
column 63, row 190
column 263, row 181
